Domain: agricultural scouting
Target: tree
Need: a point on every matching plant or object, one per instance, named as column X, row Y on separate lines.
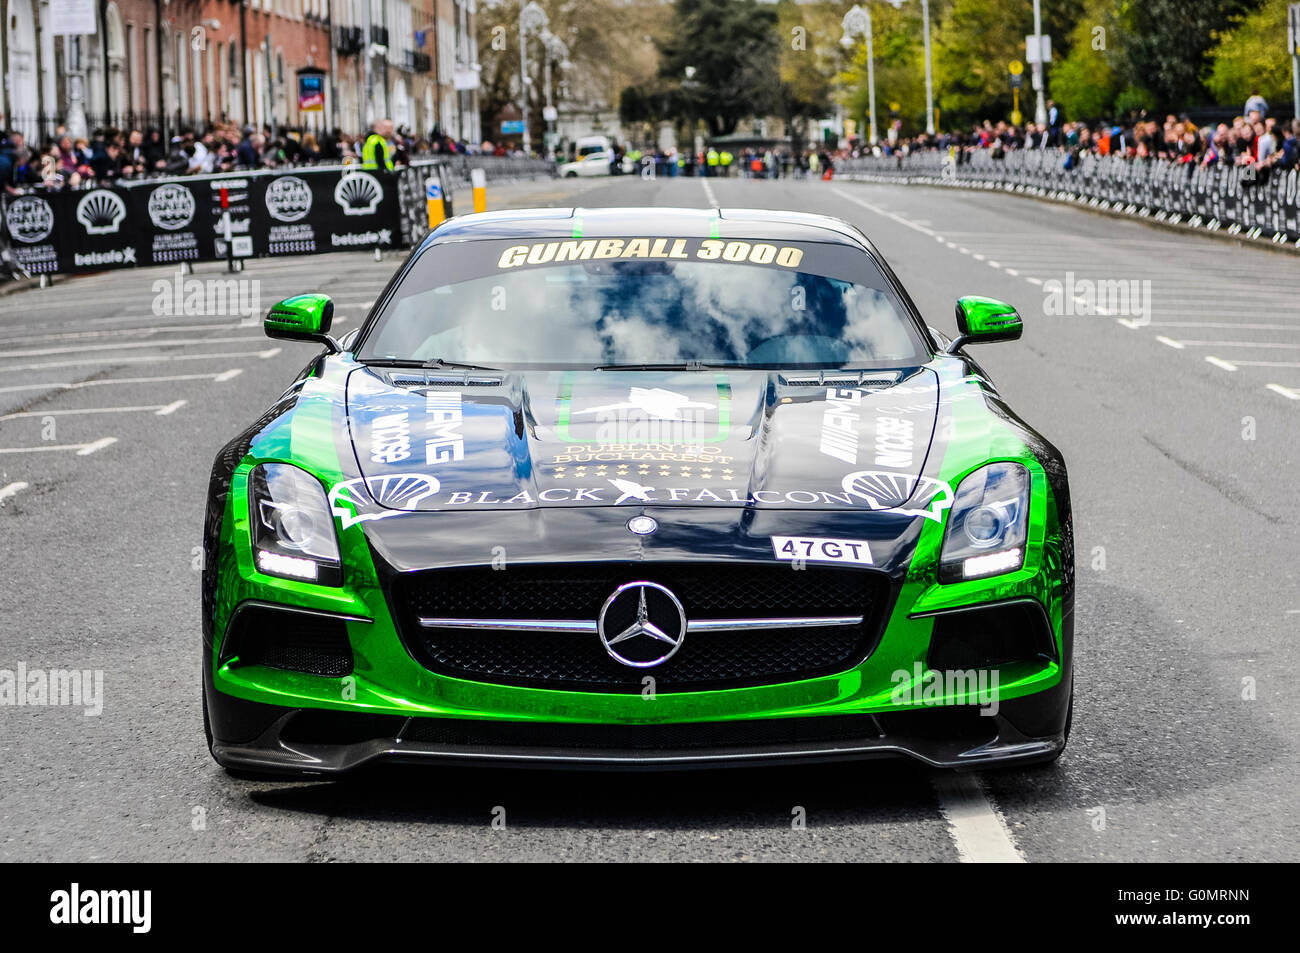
column 1252, row 55
column 1087, row 80
column 731, row 46
column 1169, row 48
column 611, row 46
column 976, row 39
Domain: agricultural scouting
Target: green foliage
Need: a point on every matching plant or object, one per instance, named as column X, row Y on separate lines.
column 976, row 41
column 1086, row 81
column 732, row 46
column 1252, row 55
column 1170, row 43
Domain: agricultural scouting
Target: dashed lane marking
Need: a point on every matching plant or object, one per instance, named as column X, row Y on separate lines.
column 1290, row 393
column 77, row 385
column 158, row 410
column 708, row 192
column 82, row 449
column 977, row 827
column 13, row 489
column 150, row 359
column 128, row 346
column 1225, row 365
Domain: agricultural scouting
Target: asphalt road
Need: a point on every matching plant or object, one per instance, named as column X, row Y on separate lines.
column 1178, row 412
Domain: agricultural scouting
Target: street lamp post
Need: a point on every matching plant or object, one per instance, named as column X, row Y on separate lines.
column 929, row 79
column 555, row 49
column 857, row 22
column 1040, row 108
column 532, row 18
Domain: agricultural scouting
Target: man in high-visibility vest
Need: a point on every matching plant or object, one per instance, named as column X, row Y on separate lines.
column 726, row 158
column 378, row 149
column 711, row 160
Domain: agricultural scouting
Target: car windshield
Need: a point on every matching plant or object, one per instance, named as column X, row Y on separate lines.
column 645, row 302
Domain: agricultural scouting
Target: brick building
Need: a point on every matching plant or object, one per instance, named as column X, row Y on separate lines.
column 239, row 60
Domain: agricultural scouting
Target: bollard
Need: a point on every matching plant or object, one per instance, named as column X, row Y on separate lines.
column 433, row 199
column 478, row 181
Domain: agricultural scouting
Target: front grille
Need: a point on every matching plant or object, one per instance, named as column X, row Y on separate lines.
column 578, row 662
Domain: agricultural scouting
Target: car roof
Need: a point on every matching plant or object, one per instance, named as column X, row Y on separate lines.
column 724, row 223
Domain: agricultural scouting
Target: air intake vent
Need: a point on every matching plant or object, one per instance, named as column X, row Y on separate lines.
column 292, row 640
column 442, row 380
column 842, row 379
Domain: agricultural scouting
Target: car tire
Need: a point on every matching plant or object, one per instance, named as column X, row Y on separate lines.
column 570, row 175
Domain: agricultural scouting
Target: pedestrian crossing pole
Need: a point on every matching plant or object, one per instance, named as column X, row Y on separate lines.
column 478, row 183
column 433, row 200
column 1293, row 44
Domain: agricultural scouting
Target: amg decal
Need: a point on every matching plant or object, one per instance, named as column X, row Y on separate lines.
column 840, row 424
column 445, row 439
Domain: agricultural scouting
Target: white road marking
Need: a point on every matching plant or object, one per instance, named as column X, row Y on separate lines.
column 128, row 346
column 1176, row 345
column 1224, row 325
column 890, row 215
column 1288, row 392
column 1130, row 323
column 1013, row 273
column 13, row 489
column 708, row 192
column 83, row 449
column 977, row 827
column 1268, row 344
column 77, row 385
column 122, row 332
column 156, row 409
column 1267, row 363
column 1217, row 362
column 151, row 359
column 1034, row 281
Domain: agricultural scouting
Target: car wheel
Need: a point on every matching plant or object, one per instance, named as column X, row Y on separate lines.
column 570, row 175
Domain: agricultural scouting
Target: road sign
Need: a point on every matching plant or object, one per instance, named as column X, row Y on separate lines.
column 1015, row 67
column 1293, row 28
column 1017, row 80
column 1040, row 52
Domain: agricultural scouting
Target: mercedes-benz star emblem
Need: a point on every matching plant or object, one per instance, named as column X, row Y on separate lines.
column 642, row 624
column 642, row 525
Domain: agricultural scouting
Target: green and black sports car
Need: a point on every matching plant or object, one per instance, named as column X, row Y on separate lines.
column 638, row 488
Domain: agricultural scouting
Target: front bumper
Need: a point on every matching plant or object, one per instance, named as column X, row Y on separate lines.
column 391, row 707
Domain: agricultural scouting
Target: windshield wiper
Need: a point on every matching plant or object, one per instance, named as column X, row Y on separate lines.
column 426, row 365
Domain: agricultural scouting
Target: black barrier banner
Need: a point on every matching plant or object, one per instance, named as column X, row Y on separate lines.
column 179, row 226
column 167, row 221
column 30, row 221
column 310, row 212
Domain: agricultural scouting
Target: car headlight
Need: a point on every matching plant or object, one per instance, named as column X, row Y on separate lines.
column 987, row 524
column 293, row 530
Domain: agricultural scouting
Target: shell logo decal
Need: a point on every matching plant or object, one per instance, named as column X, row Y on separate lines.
column 358, row 193
column 101, row 212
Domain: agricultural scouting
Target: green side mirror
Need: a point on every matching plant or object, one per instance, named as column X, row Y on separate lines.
column 983, row 321
column 302, row 318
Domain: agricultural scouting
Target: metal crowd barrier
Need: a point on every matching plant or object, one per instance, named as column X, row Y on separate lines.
column 1229, row 198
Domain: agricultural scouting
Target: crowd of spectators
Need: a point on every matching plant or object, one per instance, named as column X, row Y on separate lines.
column 64, row 161
column 1253, row 140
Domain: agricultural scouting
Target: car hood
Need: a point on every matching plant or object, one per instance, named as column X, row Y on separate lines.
column 442, row 440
